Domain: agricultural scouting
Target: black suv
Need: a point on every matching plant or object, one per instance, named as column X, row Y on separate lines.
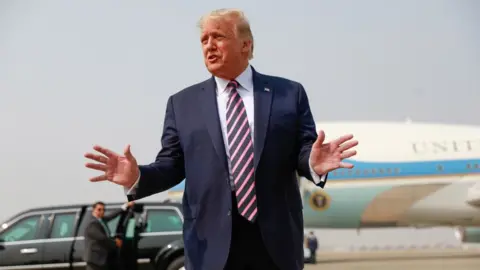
column 52, row 237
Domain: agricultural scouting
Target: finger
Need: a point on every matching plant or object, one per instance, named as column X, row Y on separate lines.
column 347, row 145
column 342, row 139
column 99, row 178
column 320, row 139
column 346, row 165
column 99, row 158
column 348, row 154
column 96, row 166
column 127, row 152
column 105, row 151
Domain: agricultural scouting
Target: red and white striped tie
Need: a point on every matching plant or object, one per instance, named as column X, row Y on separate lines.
column 241, row 154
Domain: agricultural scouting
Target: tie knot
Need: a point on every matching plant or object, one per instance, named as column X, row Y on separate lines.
column 233, row 84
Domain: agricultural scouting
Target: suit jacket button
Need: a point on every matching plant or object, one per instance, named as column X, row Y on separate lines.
column 229, row 213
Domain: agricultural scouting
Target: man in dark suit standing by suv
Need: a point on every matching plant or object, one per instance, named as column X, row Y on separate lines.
column 100, row 247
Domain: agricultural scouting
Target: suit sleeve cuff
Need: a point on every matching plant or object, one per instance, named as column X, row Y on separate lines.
column 124, row 206
column 317, row 179
column 133, row 189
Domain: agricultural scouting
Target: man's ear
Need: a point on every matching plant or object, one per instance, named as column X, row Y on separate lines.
column 246, row 45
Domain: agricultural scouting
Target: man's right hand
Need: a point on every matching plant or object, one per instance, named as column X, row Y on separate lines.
column 121, row 170
column 118, row 242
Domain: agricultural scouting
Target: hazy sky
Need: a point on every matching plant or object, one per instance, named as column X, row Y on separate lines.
column 76, row 73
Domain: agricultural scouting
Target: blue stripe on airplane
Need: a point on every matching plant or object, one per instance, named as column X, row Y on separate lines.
column 363, row 170
column 366, row 170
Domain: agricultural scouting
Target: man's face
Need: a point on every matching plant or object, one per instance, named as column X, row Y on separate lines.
column 99, row 211
column 223, row 51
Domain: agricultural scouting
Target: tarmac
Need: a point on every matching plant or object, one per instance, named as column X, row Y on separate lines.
column 456, row 259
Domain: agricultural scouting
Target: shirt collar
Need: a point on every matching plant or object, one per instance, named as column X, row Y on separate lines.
column 245, row 79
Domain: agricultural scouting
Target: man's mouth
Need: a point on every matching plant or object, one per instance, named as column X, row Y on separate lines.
column 212, row 57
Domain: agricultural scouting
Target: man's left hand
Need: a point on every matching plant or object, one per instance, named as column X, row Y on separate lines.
column 326, row 157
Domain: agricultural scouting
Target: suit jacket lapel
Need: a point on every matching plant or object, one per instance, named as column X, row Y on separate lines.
column 263, row 94
column 208, row 101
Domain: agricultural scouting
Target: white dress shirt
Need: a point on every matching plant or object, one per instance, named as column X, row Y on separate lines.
column 245, row 90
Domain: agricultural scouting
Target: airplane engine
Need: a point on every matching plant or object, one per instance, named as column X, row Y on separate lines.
column 468, row 234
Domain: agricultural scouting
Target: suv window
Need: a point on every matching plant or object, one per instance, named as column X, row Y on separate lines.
column 63, row 225
column 23, row 230
column 113, row 223
column 163, row 220
column 130, row 232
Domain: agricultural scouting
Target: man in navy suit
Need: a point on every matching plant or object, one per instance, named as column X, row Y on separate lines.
column 238, row 139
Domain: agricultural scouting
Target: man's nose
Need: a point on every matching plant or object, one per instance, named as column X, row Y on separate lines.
column 210, row 44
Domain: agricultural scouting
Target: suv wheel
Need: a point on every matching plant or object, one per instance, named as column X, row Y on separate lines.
column 177, row 264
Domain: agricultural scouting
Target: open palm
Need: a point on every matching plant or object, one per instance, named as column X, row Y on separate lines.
column 326, row 157
column 122, row 170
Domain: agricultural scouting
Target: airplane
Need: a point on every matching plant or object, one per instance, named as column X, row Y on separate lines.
column 406, row 174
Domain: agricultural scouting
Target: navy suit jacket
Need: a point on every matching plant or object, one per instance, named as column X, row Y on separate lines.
column 193, row 149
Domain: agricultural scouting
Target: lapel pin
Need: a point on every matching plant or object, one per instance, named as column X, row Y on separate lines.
column 266, row 89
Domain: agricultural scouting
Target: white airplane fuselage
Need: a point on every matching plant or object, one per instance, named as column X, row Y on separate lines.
column 405, row 174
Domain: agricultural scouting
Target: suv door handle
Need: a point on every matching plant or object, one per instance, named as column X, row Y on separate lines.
column 28, row 250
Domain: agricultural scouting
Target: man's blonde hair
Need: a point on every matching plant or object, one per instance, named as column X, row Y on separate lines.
column 242, row 26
